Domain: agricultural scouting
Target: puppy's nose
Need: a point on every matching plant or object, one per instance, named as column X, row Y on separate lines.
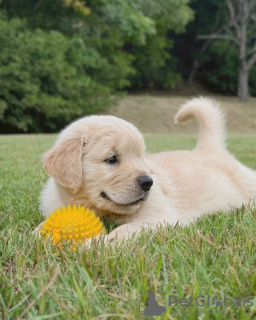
column 145, row 183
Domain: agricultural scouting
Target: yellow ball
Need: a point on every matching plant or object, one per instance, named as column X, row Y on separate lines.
column 75, row 224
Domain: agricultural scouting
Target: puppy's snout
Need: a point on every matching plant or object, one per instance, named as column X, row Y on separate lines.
column 145, row 183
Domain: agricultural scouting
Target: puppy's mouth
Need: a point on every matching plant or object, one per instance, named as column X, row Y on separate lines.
column 104, row 196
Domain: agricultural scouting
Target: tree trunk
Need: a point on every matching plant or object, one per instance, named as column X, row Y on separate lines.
column 243, row 86
column 197, row 63
column 193, row 72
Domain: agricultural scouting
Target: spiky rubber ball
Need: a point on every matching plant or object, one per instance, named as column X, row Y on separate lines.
column 75, row 224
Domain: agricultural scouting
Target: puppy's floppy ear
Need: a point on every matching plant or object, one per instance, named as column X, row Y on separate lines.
column 64, row 162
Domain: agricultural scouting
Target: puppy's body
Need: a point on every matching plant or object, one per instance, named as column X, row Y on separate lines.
column 186, row 184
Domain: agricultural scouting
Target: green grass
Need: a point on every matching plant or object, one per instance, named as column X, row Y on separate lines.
column 215, row 256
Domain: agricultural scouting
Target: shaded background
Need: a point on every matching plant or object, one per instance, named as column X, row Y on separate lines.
column 63, row 59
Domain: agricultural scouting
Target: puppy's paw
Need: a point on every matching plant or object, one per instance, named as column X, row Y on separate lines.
column 122, row 233
column 38, row 228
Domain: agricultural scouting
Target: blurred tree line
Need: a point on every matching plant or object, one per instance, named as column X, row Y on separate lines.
column 62, row 59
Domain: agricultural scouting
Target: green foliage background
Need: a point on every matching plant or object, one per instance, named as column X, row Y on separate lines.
column 58, row 63
column 45, row 78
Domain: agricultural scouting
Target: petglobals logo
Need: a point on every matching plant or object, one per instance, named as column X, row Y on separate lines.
column 202, row 301
column 154, row 309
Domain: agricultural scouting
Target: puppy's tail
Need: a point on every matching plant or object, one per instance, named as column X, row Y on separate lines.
column 211, row 122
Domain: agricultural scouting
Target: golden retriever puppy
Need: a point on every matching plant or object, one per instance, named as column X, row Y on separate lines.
column 100, row 162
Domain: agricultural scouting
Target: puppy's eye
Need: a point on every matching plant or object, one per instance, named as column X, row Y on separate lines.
column 112, row 160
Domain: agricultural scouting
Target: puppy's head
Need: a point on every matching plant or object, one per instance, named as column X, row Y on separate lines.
column 100, row 160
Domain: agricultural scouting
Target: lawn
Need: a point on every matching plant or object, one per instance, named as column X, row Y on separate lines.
column 214, row 257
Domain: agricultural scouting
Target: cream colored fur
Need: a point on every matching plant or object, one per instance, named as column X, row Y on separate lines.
column 187, row 184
